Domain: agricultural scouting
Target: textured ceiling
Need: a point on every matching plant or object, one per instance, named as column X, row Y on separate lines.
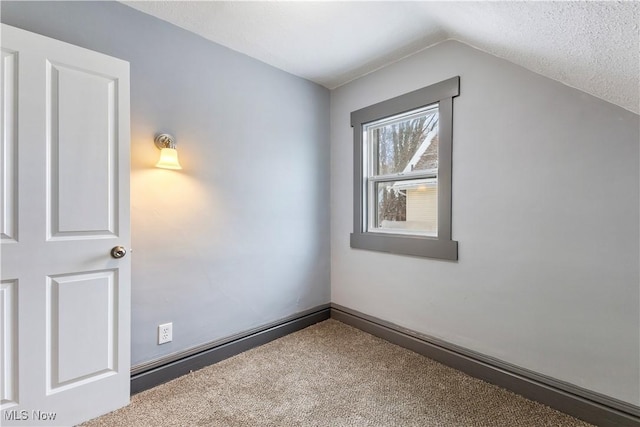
column 592, row 46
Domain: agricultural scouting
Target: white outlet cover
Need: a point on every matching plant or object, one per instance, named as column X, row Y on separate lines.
column 165, row 333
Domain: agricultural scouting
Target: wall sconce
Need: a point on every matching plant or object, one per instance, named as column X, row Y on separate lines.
column 168, row 153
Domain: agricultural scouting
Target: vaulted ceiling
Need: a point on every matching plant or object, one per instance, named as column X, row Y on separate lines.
column 592, row 46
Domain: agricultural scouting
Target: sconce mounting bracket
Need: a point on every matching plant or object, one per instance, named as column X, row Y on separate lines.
column 164, row 140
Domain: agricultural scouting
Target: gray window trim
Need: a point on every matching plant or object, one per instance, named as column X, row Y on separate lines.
column 441, row 247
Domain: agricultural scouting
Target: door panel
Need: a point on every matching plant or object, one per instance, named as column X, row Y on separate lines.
column 82, row 328
column 8, row 125
column 65, row 185
column 8, row 342
column 83, row 182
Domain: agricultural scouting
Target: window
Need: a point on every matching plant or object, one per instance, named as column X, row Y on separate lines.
column 401, row 169
column 402, row 179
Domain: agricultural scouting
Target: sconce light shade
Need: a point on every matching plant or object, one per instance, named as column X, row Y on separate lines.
column 168, row 159
column 168, row 153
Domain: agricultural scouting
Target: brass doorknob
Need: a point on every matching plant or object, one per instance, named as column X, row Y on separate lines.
column 118, row 252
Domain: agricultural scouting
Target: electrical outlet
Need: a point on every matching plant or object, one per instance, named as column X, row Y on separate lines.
column 165, row 333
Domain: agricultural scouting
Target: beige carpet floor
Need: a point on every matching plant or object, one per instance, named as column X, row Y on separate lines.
column 330, row 374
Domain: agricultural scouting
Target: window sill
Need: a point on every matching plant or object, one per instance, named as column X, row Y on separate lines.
column 421, row 246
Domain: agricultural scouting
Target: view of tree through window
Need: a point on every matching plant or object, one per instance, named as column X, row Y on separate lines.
column 398, row 142
column 404, row 146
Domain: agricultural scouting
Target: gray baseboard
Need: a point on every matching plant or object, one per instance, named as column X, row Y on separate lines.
column 581, row 403
column 160, row 371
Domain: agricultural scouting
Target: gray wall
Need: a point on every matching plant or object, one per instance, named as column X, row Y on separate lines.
column 239, row 238
column 546, row 210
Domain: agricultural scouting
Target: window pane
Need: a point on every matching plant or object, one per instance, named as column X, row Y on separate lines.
column 405, row 143
column 410, row 205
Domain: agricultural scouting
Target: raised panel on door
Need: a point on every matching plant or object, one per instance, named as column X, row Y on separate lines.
column 8, row 148
column 82, row 328
column 8, row 343
column 82, row 138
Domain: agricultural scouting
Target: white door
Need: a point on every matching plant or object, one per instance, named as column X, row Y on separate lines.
column 64, row 300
